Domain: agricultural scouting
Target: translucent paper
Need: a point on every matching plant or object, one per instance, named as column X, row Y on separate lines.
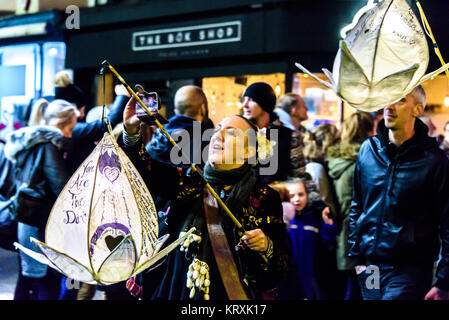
column 103, row 228
column 383, row 58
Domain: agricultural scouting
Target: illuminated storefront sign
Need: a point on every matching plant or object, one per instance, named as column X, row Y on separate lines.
column 187, row 36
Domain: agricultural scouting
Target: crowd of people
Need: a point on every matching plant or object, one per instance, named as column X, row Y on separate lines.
column 317, row 206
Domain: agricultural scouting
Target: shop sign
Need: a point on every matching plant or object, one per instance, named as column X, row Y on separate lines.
column 187, row 36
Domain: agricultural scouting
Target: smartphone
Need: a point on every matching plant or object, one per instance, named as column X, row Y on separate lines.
column 152, row 102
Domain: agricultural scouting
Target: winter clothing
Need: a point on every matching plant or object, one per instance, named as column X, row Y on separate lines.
column 400, row 203
column 159, row 148
column 37, row 153
column 84, row 135
column 254, row 205
column 341, row 163
column 297, row 160
column 8, row 232
column 6, row 174
column 323, row 183
column 285, row 118
column 280, row 165
column 263, row 94
column 71, row 93
column 312, row 246
column 445, row 147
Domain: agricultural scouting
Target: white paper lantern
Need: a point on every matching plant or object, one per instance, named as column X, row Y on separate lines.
column 383, row 58
column 103, row 228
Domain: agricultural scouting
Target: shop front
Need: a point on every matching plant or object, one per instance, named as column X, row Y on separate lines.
column 32, row 51
column 222, row 50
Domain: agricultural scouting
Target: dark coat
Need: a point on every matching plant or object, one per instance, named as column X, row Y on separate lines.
column 159, row 150
column 160, row 147
column 84, row 135
column 281, row 161
column 401, row 203
column 42, row 174
column 263, row 210
column 7, row 188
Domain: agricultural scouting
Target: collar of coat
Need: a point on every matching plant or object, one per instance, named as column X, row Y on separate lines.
column 418, row 143
column 28, row 137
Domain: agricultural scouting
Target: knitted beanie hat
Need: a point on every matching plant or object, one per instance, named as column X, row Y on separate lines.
column 263, row 94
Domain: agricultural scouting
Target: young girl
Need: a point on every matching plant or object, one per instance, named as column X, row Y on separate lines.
column 312, row 233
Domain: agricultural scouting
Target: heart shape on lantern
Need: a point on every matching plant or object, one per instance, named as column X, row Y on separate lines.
column 111, row 173
column 113, row 242
column 132, row 251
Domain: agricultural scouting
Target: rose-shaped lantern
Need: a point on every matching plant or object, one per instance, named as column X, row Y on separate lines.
column 383, row 58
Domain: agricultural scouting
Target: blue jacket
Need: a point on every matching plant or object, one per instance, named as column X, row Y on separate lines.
column 311, row 240
column 160, row 147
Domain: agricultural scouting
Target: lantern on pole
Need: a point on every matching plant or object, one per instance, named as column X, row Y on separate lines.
column 382, row 59
column 103, row 228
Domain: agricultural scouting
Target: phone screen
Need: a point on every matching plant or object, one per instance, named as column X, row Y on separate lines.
column 151, row 101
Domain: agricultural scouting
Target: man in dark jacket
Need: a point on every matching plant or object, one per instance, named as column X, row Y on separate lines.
column 258, row 105
column 400, row 206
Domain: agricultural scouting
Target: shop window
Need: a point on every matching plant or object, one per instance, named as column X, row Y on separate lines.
column 54, row 60
column 437, row 109
column 224, row 94
column 323, row 104
column 26, row 72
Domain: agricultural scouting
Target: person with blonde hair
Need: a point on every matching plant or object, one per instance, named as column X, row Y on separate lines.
column 37, row 154
column 37, row 112
column 62, row 79
column 341, row 162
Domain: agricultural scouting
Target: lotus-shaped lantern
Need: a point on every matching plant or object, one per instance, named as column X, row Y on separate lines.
column 103, row 228
column 383, row 58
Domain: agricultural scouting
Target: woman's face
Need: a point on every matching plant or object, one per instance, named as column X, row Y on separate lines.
column 298, row 195
column 67, row 128
column 228, row 148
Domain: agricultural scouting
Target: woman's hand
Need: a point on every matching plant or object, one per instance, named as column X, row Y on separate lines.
column 130, row 120
column 120, row 90
column 325, row 214
column 256, row 240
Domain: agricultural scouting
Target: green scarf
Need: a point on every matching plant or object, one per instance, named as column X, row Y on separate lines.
column 241, row 179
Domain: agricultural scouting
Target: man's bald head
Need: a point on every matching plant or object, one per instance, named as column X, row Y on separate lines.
column 191, row 101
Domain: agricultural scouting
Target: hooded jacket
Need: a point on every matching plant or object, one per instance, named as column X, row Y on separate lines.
column 36, row 153
column 401, row 203
column 341, row 164
column 160, row 147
